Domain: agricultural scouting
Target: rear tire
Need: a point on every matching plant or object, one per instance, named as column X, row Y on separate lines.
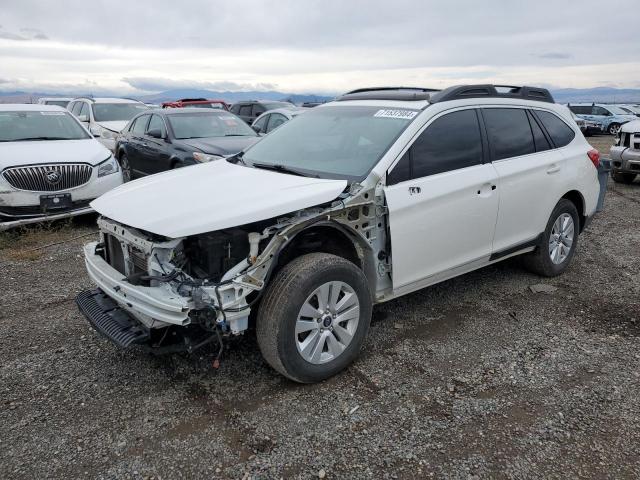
column 557, row 246
column 613, row 129
column 626, row 178
column 297, row 336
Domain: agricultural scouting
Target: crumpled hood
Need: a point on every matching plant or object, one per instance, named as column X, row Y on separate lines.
column 221, row 145
column 115, row 126
column 14, row 154
column 211, row 196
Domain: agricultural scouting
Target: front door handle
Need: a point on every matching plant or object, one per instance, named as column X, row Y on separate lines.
column 553, row 169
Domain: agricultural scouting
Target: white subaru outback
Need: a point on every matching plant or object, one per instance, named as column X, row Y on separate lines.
column 375, row 195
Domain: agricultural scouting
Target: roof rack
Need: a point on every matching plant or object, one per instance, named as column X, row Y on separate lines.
column 459, row 92
column 388, row 93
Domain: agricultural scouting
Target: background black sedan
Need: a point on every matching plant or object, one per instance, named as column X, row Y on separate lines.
column 160, row 140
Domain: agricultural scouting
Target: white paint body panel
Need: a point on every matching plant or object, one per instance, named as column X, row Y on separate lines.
column 212, row 196
column 447, row 225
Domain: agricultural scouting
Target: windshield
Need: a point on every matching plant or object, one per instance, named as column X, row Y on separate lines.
column 113, row 112
column 343, row 142
column 208, row 124
column 617, row 110
column 59, row 103
column 45, row 125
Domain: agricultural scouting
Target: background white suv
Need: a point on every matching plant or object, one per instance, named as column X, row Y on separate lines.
column 358, row 201
column 105, row 117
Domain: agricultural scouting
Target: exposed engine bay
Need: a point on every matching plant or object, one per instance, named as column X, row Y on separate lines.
column 215, row 278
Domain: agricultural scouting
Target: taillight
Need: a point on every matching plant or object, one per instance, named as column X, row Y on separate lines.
column 594, row 156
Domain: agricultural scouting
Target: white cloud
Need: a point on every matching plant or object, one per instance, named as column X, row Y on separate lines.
column 312, row 45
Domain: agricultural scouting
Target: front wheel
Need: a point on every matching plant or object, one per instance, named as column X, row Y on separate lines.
column 314, row 317
column 126, row 168
column 626, row 178
column 557, row 246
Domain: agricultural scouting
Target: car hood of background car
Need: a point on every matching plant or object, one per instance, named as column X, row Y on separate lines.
column 13, row 154
column 221, row 145
column 211, row 196
column 115, row 126
column 631, row 127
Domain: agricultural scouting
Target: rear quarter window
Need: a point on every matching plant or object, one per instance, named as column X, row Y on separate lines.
column 561, row 134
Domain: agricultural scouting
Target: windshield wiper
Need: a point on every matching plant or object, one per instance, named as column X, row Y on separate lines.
column 236, row 135
column 40, row 138
column 276, row 167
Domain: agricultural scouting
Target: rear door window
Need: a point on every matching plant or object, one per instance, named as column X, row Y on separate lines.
column 561, row 134
column 539, row 139
column 450, row 142
column 140, row 125
column 509, row 132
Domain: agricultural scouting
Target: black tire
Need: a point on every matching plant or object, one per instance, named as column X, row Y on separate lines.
column 613, row 128
column 539, row 261
column 281, row 304
column 620, row 177
column 125, row 166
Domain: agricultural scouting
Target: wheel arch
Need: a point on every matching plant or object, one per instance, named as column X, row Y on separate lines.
column 575, row 197
column 333, row 238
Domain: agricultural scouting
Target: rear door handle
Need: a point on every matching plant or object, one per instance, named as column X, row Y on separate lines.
column 553, row 169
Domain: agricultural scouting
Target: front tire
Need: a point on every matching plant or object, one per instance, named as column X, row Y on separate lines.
column 626, row 178
column 125, row 166
column 557, row 246
column 314, row 317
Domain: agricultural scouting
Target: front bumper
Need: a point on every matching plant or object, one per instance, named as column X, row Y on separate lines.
column 623, row 159
column 19, row 207
column 153, row 306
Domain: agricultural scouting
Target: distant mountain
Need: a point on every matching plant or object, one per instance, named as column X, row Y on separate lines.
column 231, row 96
column 561, row 95
column 598, row 95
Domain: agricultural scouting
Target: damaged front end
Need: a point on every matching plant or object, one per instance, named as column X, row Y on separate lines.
column 180, row 294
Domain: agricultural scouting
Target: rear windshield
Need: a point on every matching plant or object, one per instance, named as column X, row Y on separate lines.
column 58, row 103
column 113, row 112
column 208, row 124
column 46, row 125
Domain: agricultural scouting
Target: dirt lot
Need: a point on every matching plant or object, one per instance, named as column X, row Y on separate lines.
column 476, row 377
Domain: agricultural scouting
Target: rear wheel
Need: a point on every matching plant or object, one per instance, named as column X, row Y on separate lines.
column 558, row 243
column 614, row 128
column 625, row 178
column 314, row 317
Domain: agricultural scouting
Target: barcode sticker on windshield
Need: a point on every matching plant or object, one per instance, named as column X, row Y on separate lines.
column 52, row 113
column 402, row 114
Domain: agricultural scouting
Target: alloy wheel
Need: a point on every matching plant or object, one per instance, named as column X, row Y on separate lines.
column 561, row 238
column 327, row 322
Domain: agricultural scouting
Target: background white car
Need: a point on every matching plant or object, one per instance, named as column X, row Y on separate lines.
column 105, row 117
column 58, row 101
column 50, row 166
column 272, row 119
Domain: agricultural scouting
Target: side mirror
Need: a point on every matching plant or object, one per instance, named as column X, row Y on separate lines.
column 155, row 133
column 84, row 118
column 256, row 129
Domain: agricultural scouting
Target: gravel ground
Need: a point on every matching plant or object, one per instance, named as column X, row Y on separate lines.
column 476, row 377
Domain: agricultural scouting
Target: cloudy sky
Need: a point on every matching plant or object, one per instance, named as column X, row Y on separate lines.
column 319, row 46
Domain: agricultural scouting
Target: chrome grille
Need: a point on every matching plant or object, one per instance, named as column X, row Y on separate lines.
column 48, row 178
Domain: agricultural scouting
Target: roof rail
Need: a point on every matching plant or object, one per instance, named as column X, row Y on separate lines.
column 388, row 93
column 459, row 92
column 85, row 97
